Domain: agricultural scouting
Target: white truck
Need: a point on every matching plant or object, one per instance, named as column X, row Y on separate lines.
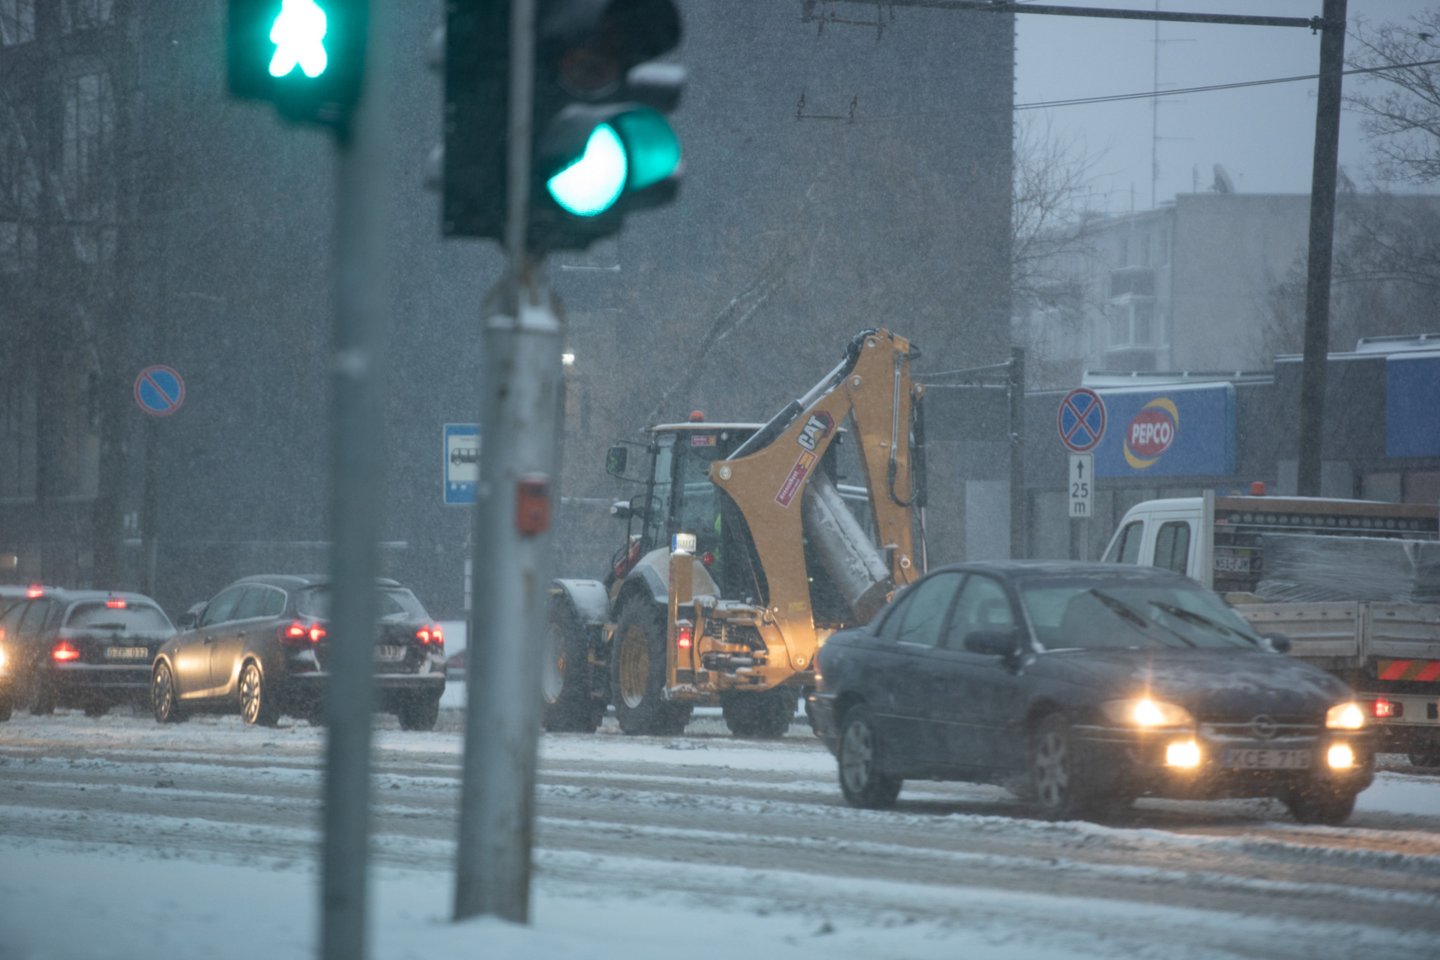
column 1353, row 585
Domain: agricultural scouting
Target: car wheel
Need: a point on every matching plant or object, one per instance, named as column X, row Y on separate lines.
column 257, row 705
column 764, row 715
column 1321, row 805
column 569, row 702
column 637, row 674
column 7, row 707
column 859, row 759
column 42, row 696
column 1056, row 788
column 419, row 712
column 96, row 708
column 164, row 699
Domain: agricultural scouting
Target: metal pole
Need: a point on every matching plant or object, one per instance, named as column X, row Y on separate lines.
column 150, row 507
column 356, row 477
column 1322, row 240
column 512, row 565
column 1015, row 389
column 512, row 573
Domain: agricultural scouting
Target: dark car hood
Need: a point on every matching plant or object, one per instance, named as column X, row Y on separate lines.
column 1211, row 684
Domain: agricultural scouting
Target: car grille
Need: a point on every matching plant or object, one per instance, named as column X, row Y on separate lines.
column 1260, row 728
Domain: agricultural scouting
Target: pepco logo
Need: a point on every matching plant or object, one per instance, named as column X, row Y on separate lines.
column 1151, row 432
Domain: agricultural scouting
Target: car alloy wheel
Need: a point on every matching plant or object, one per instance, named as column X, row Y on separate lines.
column 861, row 781
column 1050, row 767
column 163, row 697
column 255, row 706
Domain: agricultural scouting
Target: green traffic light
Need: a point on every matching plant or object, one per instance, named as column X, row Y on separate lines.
column 299, row 37
column 593, row 182
column 633, row 151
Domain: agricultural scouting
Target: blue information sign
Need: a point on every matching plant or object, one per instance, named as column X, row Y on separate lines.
column 461, row 450
column 1412, row 406
column 159, row 390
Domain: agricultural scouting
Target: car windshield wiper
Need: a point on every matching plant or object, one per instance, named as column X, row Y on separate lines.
column 1190, row 616
column 1136, row 617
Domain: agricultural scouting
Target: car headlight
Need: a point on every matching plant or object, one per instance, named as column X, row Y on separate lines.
column 1346, row 716
column 1146, row 713
column 2, row 658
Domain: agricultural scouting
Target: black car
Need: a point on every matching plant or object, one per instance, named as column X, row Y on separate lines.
column 82, row 648
column 261, row 646
column 1084, row 687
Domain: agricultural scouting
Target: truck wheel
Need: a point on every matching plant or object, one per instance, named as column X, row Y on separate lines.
column 1321, row 805
column 637, row 674
column 765, row 715
column 1425, row 755
column 569, row 703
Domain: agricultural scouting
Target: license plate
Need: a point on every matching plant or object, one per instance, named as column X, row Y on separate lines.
column 1259, row 759
column 127, row 653
column 389, row 653
column 1226, row 564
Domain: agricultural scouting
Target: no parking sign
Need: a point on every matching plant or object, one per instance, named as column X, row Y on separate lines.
column 159, row 390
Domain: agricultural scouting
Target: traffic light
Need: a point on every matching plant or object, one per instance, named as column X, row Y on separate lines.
column 305, row 56
column 477, row 118
column 602, row 146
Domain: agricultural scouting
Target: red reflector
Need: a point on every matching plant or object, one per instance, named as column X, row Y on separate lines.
column 707, row 558
column 115, row 604
column 532, row 505
column 64, row 652
column 683, row 637
column 1387, row 708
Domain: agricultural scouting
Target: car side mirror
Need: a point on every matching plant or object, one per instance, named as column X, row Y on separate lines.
column 621, row 510
column 187, row 620
column 1278, row 642
column 992, row 643
column 615, row 460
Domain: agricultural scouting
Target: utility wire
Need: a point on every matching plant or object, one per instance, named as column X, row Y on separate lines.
column 1115, row 98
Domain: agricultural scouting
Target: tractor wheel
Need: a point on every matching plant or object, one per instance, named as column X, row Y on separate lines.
column 764, row 716
column 637, row 674
column 569, row 702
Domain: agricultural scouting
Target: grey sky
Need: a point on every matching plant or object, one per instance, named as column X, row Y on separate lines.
column 1263, row 136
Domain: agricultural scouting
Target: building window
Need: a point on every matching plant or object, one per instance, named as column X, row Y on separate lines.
column 86, row 147
column 85, row 14
column 1132, row 322
column 17, row 22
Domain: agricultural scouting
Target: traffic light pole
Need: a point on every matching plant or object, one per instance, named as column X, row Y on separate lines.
column 511, row 571
column 356, row 477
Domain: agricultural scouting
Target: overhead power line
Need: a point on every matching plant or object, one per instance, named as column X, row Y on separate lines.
column 1149, row 94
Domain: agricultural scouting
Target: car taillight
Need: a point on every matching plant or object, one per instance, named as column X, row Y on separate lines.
column 299, row 634
column 115, row 604
column 32, row 592
column 684, row 636
column 431, row 636
column 64, row 652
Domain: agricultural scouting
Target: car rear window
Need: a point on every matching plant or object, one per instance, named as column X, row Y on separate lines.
column 132, row 618
column 395, row 603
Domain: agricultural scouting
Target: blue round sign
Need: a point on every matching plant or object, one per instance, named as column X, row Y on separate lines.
column 159, row 390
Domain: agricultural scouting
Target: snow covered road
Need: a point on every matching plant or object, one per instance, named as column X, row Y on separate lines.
column 687, row 841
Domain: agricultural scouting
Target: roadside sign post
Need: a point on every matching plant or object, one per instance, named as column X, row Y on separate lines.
column 460, row 468
column 159, row 392
column 1081, row 422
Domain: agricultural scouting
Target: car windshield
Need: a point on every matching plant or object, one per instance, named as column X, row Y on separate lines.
column 395, row 603
column 133, row 618
column 1126, row 614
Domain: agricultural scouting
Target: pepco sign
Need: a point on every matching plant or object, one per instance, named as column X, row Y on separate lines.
column 1151, row 432
column 1185, row 431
